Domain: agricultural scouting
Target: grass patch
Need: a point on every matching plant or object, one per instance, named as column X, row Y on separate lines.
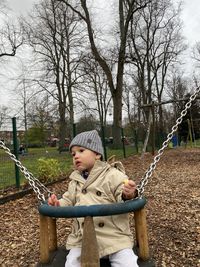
column 30, row 161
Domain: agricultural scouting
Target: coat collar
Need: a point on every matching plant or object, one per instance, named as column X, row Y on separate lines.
column 99, row 167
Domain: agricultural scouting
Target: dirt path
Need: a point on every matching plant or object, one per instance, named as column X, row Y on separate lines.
column 173, row 214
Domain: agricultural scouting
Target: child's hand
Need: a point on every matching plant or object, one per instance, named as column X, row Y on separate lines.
column 129, row 189
column 53, row 201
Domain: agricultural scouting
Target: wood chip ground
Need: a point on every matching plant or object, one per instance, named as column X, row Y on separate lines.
column 173, row 214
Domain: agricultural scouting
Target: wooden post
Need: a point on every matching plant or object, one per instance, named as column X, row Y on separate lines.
column 89, row 251
column 44, row 239
column 141, row 233
column 52, row 234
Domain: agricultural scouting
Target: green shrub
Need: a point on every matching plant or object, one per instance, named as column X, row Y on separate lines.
column 48, row 169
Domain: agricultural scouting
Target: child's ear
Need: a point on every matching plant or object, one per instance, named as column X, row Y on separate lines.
column 98, row 156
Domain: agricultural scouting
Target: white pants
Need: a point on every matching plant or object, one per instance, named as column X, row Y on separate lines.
column 121, row 258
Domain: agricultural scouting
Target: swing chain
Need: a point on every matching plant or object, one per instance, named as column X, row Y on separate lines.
column 145, row 179
column 35, row 184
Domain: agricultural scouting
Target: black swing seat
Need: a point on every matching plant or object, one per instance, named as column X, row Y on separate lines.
column 58, row 258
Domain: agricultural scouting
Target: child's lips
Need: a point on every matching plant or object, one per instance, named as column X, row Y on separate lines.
column 78, row 163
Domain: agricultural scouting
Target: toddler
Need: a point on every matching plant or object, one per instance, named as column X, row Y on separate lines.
column 97, row 182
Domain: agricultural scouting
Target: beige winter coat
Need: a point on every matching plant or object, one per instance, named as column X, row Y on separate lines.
column 103, row 186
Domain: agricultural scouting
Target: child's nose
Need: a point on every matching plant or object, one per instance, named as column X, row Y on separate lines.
column 76, row 155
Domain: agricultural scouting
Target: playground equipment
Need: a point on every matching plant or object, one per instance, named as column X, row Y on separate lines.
column 89, row 255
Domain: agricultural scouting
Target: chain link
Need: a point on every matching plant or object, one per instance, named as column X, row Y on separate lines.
column 145, row 179
column 35, row 184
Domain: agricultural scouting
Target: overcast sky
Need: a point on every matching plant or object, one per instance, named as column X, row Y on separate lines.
column 190, row 17
column 21, row 6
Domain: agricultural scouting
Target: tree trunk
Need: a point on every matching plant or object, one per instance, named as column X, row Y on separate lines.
column 62, row 125
column 160, row 121
column 147, row 135
column 117, row 120
column 71, row 112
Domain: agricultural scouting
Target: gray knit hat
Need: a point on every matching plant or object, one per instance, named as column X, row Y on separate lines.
column 90, row 140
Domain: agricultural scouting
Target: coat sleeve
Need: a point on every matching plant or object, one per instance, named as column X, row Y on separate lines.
column 116, row 179
column 68, row 198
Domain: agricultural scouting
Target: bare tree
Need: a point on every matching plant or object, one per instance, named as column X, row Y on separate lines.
column 11, row 37
column 131, row 101
column 55, row 35
column 126, row 10
column 196, row 54
column 166, row 54
column 41, row 121
column 25, row 94
column 154, row 45
column 96, row 87
column 177, row 88
column 3, row 114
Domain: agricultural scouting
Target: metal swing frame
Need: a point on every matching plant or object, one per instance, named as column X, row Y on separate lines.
column 48, row 237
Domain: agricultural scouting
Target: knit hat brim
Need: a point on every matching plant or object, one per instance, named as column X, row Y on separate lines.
column 90, row 140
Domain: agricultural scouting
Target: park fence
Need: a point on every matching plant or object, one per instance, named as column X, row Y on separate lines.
column 10, row 174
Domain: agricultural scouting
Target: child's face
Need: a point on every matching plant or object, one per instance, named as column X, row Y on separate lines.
column 83, row 158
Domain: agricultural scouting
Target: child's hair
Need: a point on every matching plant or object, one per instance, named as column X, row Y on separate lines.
column 90, row 140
